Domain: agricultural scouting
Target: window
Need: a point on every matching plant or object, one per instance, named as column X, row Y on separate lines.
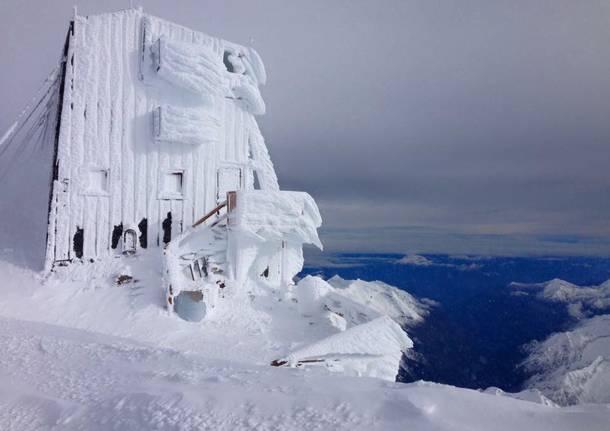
column 172, row 186
column 97, row 182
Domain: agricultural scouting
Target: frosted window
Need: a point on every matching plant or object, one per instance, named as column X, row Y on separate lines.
column 173, row 183
column 98, row 181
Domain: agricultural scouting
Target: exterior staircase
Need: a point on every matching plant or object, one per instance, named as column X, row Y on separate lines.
column 196, row 266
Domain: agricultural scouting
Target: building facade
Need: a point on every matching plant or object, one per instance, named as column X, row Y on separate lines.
column 156, row 124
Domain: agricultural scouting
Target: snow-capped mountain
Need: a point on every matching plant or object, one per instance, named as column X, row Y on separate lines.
column 573, row 367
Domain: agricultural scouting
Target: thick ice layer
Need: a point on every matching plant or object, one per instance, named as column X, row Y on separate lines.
column 249, row 96
column 372, row 349
column 193, row 67
column 187, row 126
column 277, row 215
column 261, row 164
column 255, row 67
column 246, row 61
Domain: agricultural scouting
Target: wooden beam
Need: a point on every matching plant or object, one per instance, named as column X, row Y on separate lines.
column 210, row 214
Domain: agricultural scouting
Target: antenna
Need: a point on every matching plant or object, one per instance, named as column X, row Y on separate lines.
column 75, row 10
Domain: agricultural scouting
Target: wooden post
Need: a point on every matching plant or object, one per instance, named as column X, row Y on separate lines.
column 231, row 201
column 210, row 214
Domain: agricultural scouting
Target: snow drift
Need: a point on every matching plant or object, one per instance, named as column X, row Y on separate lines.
column 371, row 349
column 61, row 378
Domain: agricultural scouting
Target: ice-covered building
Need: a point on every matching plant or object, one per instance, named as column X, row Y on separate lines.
column 146, row 136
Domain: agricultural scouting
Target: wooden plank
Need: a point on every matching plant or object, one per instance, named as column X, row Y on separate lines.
column 142, row 132
column 152, row 96
column 128, row 171
column 116, row 127
column 62, row 195
column 91, row 136
column 77, row 152
column 104, row 132
column 215, row 210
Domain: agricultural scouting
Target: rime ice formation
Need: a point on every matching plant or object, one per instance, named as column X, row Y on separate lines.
column 186, row 126
column 144, row 128
column 142, row 160
column 148, row 156
column 194, row 67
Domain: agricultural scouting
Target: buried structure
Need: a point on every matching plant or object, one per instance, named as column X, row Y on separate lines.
column 145, row 137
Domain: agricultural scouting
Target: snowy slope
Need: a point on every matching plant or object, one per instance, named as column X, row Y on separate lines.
column 257, row 327
column 96, row 355
column 371, row 349
column 572, row 367
column 60, row 378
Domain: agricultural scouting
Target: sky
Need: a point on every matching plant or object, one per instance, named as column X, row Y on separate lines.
column 469, row 126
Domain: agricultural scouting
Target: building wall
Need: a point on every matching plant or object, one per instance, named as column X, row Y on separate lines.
column 112, row 172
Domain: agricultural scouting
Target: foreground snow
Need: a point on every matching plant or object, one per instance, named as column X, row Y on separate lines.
column 572, row 367
column 61, row 378
column 260, row 326
column 96, row 355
